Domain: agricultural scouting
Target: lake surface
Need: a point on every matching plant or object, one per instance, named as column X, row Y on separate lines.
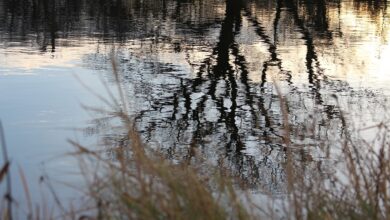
column 198, row 73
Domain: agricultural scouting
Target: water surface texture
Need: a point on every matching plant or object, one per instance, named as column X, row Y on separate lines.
column 199, row 74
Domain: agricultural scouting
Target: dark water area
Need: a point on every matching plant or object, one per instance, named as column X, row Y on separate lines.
column 205, row 75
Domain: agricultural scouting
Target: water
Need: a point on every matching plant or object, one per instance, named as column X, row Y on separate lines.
column 196, row 72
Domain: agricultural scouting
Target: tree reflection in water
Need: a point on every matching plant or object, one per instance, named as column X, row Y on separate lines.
column 222, row 99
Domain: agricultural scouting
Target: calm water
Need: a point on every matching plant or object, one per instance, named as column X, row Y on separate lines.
column 196, row 72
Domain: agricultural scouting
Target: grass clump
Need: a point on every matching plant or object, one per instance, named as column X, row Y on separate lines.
column 130, row 180
column 142, row 185
column 137, row 182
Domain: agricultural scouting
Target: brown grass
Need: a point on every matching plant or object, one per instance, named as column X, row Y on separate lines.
column 136, row 182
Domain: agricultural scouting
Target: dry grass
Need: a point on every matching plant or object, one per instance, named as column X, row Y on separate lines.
column 141, row 185
column 359, row 190
column 355, row 187
column 136, row 182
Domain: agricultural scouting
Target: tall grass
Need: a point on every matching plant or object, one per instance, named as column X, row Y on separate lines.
column 137, row 182
column 5, row 174
column 357, row 189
